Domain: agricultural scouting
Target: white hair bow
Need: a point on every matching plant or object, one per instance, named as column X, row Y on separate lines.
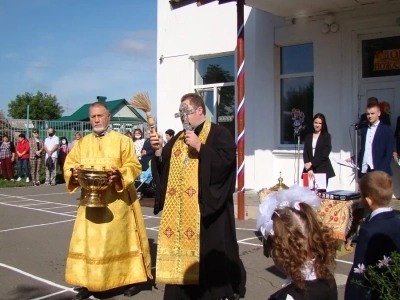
column 285, row 198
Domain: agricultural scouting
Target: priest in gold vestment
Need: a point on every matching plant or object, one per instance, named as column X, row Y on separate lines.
column 195, row 173
column 109, row 246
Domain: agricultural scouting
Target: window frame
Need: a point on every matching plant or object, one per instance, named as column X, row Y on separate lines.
column 214, row 86
column 278, row 93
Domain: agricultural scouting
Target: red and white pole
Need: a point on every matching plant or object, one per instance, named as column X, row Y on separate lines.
column 240, row 97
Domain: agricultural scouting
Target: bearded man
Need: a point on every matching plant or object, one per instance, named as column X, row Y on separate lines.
column 109, row 246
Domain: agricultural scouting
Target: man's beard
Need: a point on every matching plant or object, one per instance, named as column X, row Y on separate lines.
column 99, row 130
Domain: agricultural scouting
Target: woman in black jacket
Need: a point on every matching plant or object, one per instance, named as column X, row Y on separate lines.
column 317, row 147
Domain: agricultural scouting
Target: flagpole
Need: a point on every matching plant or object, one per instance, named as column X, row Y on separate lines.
column 240, row 98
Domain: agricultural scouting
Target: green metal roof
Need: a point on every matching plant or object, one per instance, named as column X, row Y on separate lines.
column 82, row 114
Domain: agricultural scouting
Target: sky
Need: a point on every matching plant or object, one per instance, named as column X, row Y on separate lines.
column 77, row 50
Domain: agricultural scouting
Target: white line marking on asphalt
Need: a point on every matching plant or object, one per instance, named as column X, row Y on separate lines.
column 250, row 238
column 45, row 202
column 48, row 282
column 151, row 217
column 245, row 243
column 35, row 277
column 32, row 204
column 47, row 211
column 249, row 229
column 47, row 194
column 344, row 261
column 53, row 294
column 152, row 229
column 38, row 225
column 46, row 208
column 13, row 201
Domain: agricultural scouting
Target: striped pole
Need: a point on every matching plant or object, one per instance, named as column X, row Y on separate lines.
column 240, row 97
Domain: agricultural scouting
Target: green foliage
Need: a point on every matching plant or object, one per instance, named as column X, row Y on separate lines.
column 383, row 277
column 22, row 183
column 41, row 107
column 226, row 106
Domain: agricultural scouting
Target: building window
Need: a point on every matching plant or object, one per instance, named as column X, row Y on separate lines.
column 296, row 91
column 381, row 57
column 215, row 82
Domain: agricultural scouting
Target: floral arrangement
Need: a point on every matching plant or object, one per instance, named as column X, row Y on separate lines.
column 385, row 107
column 298, row 118
column 382, row 277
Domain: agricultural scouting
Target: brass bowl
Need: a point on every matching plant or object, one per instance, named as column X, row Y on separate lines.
column 93, row 180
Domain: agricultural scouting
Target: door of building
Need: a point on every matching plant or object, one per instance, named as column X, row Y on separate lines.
column 379, row 76
column 385, row 91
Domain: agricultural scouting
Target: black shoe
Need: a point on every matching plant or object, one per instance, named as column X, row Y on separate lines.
column 132, row 291
column 83, row 294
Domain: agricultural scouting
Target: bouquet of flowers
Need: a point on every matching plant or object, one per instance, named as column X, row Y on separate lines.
column 382, row 277
column 385, row 107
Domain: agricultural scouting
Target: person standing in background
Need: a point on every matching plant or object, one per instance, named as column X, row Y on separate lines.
column 169, row 134
column 78, row 136
column 317, row 147
column 138, row 141
column 377, row 144
column 147, row 152
column 22, row 151
column 7, row 157
column 35, row 156
column 62, row 153
column 51, row 144
column 384, row 117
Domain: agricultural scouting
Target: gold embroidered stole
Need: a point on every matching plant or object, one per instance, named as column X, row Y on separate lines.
column 178, row 252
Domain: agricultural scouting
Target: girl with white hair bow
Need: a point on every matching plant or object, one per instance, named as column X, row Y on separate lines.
column 299, row 244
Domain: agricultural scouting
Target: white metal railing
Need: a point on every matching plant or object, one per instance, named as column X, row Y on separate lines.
column 13, row 127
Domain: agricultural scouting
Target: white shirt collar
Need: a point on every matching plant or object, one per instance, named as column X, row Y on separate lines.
column 375, row 125
column 380, row 210
column 307, row 271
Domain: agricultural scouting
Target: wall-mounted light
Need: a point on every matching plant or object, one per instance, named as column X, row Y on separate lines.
column 329, row 25
column 161, row 59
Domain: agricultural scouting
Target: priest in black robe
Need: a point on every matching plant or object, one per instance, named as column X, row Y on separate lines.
column 195, row 174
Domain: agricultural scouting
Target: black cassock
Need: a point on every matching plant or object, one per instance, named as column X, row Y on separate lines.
column 221, row 270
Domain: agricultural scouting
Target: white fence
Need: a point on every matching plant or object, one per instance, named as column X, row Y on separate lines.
column 13, row 127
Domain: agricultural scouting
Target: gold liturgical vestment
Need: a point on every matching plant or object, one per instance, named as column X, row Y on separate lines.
column 178, row 252
column 109, row 246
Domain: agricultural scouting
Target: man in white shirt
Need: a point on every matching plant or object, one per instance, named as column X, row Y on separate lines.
column 51, row 145
column 377, row 143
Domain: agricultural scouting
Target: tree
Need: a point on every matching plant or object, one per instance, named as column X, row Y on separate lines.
column 226, row 106
column 42, row 106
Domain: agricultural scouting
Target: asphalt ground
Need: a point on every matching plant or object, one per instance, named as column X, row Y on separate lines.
column 35, row 229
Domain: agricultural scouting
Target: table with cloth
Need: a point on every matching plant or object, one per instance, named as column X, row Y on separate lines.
column 344, row 217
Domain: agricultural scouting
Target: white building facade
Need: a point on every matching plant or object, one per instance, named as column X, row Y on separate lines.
column 301, row 58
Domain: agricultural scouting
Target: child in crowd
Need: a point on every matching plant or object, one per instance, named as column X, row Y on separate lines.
column 299, row 244
column 379, row 236
column 62, row 153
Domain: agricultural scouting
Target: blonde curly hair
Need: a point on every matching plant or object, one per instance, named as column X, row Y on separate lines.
column 298, row 238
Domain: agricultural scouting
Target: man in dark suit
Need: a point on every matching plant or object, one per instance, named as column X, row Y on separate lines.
column 397, row 137
column 384, row 117
column 377, row 144
column 379, row 236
